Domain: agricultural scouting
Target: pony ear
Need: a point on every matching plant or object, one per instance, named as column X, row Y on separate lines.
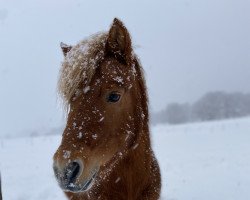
column 119, row 42
column 65, row 48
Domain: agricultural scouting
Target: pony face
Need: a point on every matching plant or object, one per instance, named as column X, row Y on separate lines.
column 102, row 117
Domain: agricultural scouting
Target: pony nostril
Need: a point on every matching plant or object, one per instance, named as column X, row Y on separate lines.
column 72, row 171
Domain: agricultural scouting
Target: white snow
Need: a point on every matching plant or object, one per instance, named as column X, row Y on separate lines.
column 118, row 179
column 201, row 161
column 86, row 89
column 135, row 146
column 94, row 136
column 101, row 119
column 79, row 135
column 119, row 79
column 63, row 45
column 205, row 161
column 66, row 154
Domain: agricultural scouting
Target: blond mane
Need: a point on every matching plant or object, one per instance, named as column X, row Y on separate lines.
column 80, row 65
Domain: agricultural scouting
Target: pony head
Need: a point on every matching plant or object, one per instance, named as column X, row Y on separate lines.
column 102, row 86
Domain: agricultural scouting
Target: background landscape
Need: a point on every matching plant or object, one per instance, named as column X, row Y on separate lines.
column 196, row 57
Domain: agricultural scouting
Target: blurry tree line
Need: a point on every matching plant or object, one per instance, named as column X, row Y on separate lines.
column 212, row 106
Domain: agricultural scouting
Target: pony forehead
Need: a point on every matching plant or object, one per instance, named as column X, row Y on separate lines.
column 80, row 64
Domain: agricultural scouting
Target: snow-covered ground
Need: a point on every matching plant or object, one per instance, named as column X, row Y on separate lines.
column 201, row 161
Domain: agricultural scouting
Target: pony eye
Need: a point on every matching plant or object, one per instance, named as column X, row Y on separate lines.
column 113, row 97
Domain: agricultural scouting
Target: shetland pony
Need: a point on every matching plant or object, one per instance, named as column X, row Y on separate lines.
column 105, row 152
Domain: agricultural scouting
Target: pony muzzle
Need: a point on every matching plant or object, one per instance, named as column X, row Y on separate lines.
column 69, row 178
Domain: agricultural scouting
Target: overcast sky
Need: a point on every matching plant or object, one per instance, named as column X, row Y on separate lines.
column 187, row 48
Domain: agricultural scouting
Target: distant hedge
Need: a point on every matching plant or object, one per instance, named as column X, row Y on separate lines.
column 212, row 106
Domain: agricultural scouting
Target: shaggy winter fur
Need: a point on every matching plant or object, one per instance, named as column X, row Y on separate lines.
column 105, row 151
column 80, row 64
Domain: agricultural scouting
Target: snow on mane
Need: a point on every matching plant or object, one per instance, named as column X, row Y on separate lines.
column 80, row 65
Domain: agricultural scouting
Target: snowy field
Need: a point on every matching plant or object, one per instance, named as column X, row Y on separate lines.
column 201, row 161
